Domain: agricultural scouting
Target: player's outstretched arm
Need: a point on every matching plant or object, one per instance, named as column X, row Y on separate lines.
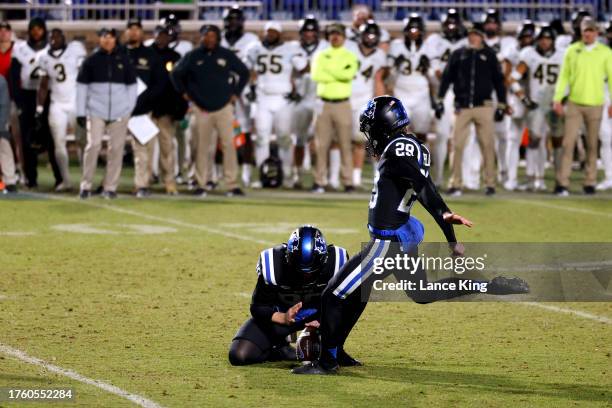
column 457, row 219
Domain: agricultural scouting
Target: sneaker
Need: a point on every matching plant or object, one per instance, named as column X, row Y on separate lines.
column 349, row 189
column 315, row 368
column 10, row 188
column 317, row 189
column 192, row 185
column 235, row 192
column 99, row 190
column 298, row 186
column 501, row 285
column 539, row 185
column 109, row 195
column 561, row 191
column 588, row 190
column 256, row 184
column 63, row 187
column 604, row 185
column 199, row 192
column 84, row 194
column 210, row 186
column 142, row 193
column 508, row 186
column 490, row 191
column 454, row 192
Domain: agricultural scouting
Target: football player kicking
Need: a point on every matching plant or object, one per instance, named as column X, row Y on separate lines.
column 403, row 178
column 287, row 297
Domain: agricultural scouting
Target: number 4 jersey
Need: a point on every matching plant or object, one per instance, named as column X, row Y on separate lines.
column 27, row 57
column 62, row 68
column 403, row 178
column 363, row 84
column 543, row 73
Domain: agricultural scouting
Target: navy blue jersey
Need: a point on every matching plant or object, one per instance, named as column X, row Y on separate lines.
column 280, row 286
column 403, row 178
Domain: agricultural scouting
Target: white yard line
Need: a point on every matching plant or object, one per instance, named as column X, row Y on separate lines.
column 543, row 204
column 579, row 313
column 93, row 203
column 135, row 398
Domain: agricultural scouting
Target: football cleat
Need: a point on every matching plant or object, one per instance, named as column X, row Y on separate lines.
column 345, row 360
column 283, row 353
column 315, row 368
column 501, row 285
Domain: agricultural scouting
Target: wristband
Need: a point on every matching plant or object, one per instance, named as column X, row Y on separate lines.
column 39, row 109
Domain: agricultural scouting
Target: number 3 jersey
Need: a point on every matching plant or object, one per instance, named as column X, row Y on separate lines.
column 363, row 84
column 543, row 73
column 403, row 178
column 274, row 66
column 411, row 66
column 62, row 68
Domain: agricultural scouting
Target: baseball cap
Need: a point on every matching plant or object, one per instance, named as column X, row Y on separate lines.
column 335, row 28
column 134, row 21
column 107, row 31
column 588, row 23
column 5, row 24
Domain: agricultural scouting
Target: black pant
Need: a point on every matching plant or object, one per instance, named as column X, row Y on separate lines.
column 34, row 140
column 347, row 293
column 254, row 341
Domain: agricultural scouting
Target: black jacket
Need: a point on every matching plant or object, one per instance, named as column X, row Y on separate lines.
column 170, row 102
column 150, row 70
column 210, row 77
column 474, row 74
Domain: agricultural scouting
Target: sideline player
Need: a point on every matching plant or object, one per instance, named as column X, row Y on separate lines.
column 273, row 64
column 368, row 83
column 59, row 67
column 287, row 297
column 403, row 178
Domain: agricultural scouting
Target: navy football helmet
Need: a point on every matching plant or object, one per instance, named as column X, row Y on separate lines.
column 307, row 252
column 380, row 120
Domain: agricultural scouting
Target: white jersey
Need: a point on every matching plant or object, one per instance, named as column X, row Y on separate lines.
column 27, row 57
column 62, row 68
column 354, row 35
column 442, row 48
column 543, row 73
column 503, row 46
column 241, row 45
column 410, row 67
column 304, row 84
column 562, row 42
column 363, row 84
column 274, row 66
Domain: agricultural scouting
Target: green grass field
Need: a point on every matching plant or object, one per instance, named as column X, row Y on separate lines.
column 147, row 295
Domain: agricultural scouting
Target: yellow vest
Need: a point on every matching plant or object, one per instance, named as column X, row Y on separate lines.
column 333, row 69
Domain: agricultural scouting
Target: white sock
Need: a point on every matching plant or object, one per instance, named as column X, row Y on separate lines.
column 246, row 174
column 286, row 156
column 356, row 177
column 334, row 168
column 261, row 154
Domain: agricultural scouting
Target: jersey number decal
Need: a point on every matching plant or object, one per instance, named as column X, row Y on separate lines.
column 367, row 74
column 407, row 68
column 551, row 74
column 406, row 204
column 61, row 72
column 404, row 149
column 35, row 74
column 275, row 66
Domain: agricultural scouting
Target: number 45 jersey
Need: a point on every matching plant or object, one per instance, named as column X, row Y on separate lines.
column 543, row 73
column 403, row 178
column 62, row 68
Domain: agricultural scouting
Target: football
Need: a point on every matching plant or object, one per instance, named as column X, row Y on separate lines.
column 308, row 345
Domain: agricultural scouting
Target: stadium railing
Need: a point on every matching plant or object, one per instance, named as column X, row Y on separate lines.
column 288, row 10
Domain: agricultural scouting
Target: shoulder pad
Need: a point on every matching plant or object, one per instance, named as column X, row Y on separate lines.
column 268, row 262
column 340, row 257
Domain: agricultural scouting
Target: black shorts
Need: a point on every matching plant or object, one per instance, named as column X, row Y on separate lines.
column 265, row 336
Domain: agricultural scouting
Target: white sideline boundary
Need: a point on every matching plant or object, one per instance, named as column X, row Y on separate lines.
column 135, row 398
column 579, row 313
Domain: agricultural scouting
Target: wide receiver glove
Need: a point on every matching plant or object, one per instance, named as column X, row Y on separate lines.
column 82, row 121
column 529, row 103
column 499, row 113
column 251, row 96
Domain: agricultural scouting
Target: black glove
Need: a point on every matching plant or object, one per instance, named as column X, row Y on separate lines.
column 81, row 121
column 499, row 113
column 439, row 109
column 251, row 96
column 294, row 96
column 529, row 103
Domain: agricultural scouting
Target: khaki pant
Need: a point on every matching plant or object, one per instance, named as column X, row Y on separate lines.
column 167, row 134
column 143, row 162
column 221, row 122
column 117, row 132
column 334, row 123
column 7, row 163
column 575, row 116
column 482, row 117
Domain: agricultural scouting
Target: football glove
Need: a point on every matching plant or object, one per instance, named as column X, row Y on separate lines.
column 529, row 103
column 251, row 96
column 304, row 314
column 439, row 109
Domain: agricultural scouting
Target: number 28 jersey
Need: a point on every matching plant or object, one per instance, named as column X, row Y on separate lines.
column 403, row 178
column 62, row 68
column 543, row 73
